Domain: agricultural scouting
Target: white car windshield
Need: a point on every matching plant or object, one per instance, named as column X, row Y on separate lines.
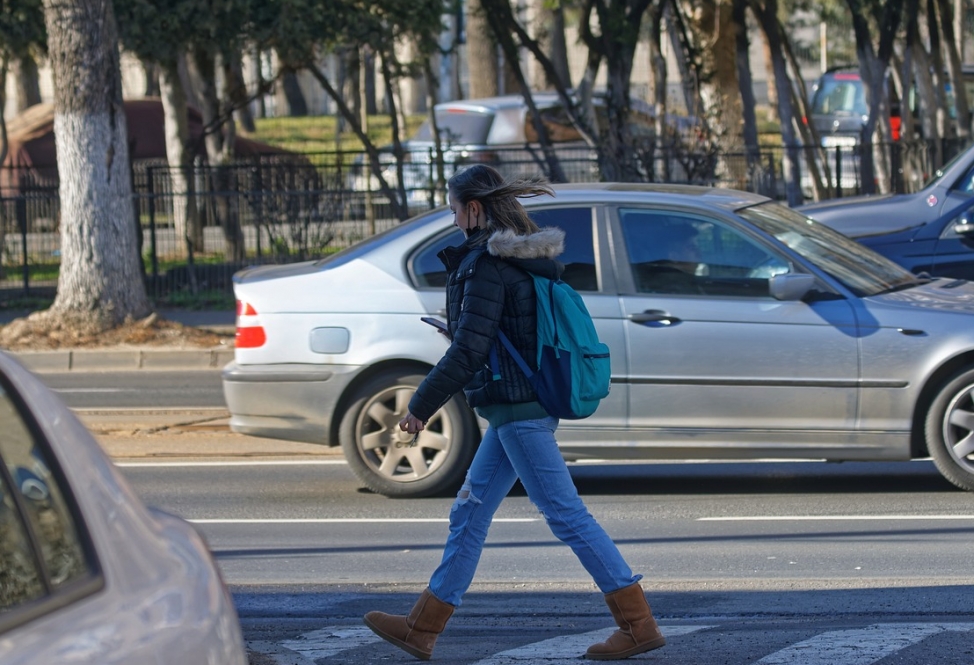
column 858, row 268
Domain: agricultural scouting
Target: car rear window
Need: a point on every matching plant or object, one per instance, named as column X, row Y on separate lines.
column 578, row 257
column 458, row 126
column 839, row 94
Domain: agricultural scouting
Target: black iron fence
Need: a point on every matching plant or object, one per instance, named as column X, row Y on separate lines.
column 270, row 210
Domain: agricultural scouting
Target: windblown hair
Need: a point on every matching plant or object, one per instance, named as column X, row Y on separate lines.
column 498, row 196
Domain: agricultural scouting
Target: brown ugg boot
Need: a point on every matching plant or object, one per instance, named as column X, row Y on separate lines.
column 637, row 632
column 415, row 634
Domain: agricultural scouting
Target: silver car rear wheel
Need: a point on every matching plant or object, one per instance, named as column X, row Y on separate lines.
column 950, row 430
column 386, row 459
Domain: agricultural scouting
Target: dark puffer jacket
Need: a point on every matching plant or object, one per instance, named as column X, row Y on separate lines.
column 489, row 288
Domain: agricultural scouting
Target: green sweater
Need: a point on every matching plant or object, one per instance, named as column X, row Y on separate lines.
column 501, row 414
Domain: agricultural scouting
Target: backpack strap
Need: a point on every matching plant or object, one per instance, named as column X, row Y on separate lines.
column 528, row 372
column 495, row 364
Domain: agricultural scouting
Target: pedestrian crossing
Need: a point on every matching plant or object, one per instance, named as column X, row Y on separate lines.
column 864, row 645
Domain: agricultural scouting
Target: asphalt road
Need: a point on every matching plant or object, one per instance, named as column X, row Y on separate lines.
column 744, row 563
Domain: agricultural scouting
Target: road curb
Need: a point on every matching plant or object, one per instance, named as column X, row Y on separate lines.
column 123, row 359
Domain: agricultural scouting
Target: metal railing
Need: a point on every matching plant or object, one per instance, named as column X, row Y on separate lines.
column 274, row 210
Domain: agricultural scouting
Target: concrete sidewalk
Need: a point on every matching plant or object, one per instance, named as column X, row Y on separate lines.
column 136, row 358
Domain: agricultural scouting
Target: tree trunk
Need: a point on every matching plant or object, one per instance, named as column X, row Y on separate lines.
column 481, row 53
column 684, row 59
column 769, row 78
column 24, row 70
column 725, row 69
column 658, row 82
column 185, row 215
column 873, row 62
column 100, row 283
column 4, row 148
column 350, row 90
column 944, row 128
column 759, row 180
column 151, row 70
column 219, row 140
column 954, row 68
column 549, row 21
column 499, row 16
column 237, row 91
column 619, row 25
column 767, row 15
column 290, row 97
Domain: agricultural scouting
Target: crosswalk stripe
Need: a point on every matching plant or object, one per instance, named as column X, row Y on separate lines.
column 566, row 649
column 330, row 641
column 860, row 646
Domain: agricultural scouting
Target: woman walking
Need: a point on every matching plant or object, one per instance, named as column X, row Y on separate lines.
column 490, row 289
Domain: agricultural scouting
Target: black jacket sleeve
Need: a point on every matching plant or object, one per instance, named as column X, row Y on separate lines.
column 481, row 307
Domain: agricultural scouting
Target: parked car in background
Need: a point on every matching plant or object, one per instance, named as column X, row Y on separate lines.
column 499, row 131
column 738, row 329
column 839, row 108
column 88, row 574
column 929, row 231
column 839, row 113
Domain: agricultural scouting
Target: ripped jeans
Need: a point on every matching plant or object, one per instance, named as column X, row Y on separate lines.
column 524, row 449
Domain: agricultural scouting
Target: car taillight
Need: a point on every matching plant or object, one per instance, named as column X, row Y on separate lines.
column 248, row 335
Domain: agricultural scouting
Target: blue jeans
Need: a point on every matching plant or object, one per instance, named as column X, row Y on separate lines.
column 524, row 449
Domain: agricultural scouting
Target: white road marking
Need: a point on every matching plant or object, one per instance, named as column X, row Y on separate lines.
column 354, row 520
column 830, row 518
column 568, row 649
column 132, row 465
column 861, row 646
column 91, row 390
column 331, row 640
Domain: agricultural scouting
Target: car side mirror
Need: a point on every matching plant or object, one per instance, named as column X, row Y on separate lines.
column 790, row 286
column 963, row 226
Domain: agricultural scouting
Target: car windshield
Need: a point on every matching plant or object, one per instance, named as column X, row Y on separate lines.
column 840, row 94
column 966, row 184
column 861, row 270
column 458, row 126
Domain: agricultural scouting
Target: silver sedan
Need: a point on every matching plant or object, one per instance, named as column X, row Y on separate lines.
column 738, row 328
column 88, row 574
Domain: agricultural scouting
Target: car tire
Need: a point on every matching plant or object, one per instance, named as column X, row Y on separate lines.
column 950, row 430
column 384, row 458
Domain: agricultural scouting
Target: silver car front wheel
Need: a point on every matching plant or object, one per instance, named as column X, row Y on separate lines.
column 950, row 430
column 387, row 460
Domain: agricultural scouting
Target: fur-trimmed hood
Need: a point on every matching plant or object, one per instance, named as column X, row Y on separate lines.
column 547, row 243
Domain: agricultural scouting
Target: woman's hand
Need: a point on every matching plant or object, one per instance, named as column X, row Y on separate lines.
column 411, row 424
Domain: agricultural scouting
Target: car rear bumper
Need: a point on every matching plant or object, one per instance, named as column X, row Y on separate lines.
column 294, row 402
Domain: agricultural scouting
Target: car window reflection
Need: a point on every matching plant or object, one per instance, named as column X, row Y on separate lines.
column 20, row 577
column 672, row 253
column 27, row 472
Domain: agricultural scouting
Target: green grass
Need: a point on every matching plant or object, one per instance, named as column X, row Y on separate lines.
column 216, row 300
column 317, row 133
column 30, row 303
column 36, row 272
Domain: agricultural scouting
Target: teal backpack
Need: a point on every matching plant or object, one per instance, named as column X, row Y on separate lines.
column 573, row 365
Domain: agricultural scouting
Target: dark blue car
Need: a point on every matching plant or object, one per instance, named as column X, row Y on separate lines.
column 929, row 231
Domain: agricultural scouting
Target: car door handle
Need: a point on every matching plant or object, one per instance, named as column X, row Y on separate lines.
column 654, row 316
